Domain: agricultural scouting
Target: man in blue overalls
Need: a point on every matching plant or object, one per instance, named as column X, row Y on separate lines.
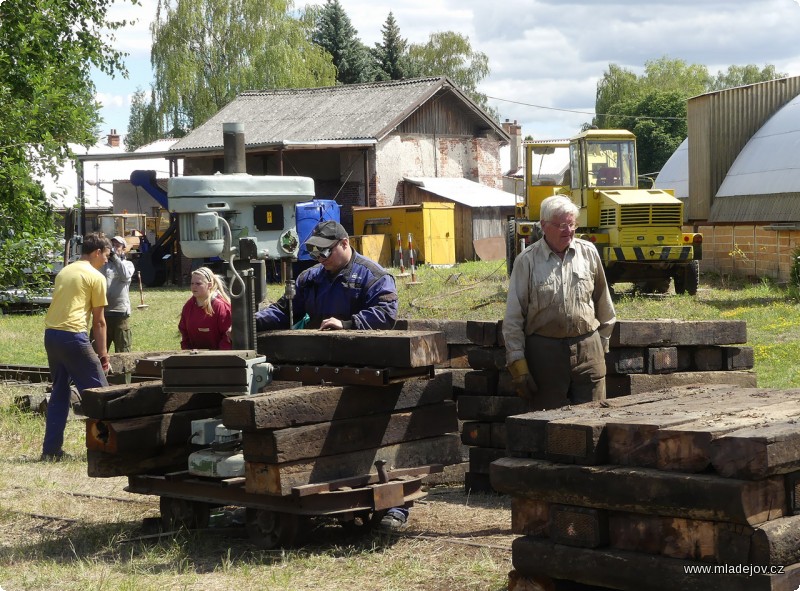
column 345, row 290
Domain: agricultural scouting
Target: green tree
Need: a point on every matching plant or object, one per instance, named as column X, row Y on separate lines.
column 620, row 85
column 390, row 55
column 450, row 54
column 206, row 51
column 47, row 50
column 653, row 105
column 675, row 75
column 659, row 124
column 742, row 75
column 143, row 123
column 616, row 85
column 335, row 33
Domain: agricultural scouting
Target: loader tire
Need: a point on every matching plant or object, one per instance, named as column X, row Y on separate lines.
column 511, row 245
column 687, row 279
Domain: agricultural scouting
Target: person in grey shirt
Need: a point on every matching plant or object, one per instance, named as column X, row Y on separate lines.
column 559, row 314
column 118, row 272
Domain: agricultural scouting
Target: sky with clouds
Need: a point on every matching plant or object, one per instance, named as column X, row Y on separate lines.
column 546, row 56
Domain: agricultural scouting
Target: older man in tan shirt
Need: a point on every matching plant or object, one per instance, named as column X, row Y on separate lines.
column 559, row 314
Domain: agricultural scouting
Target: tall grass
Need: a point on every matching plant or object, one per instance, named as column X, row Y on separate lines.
column 477, row 291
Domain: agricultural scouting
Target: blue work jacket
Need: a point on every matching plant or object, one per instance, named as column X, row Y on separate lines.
column 362, row 295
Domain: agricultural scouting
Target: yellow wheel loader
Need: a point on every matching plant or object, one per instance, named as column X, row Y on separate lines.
column 638, row 232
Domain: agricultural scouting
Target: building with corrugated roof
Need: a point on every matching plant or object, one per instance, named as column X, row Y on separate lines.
column 105, row 186
column 738, row 174
column 358, row 142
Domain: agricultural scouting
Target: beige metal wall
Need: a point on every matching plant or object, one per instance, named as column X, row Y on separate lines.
column 719, row 125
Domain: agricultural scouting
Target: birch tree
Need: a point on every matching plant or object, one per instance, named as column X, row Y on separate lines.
column 204, row 52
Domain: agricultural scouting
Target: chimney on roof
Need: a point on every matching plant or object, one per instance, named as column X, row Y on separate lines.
column 113, row 139
column 515, row 131
column 233, row 147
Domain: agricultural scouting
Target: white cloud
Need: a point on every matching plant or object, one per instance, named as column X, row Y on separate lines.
column 134, row 38
column 112, row 100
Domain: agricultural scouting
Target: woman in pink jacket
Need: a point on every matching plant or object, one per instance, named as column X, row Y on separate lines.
column 206, row 317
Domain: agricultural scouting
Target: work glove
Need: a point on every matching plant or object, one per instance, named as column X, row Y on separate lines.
column 606, row 344
column 522, row 379
column 105, row 363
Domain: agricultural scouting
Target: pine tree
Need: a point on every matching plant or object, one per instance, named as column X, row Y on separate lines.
column 335, row 33
column 391, row 55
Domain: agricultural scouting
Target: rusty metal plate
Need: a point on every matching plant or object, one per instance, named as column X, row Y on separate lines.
column 662, row 359
column 793, row 488
column 387, row 495
column 566, row 442
column 180, row 485
column 578, row 526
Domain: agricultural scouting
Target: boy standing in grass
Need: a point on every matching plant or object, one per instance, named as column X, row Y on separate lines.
column 79, row 292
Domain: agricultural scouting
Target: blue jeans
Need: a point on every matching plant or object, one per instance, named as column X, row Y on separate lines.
column 70, row 356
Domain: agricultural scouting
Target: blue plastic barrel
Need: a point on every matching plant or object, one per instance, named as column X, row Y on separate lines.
column 308, row 215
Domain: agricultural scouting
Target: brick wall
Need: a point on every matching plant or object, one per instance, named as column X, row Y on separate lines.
column 748, row 251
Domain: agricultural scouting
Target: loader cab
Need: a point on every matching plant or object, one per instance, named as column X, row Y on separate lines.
column 603, row 158
column 546, row 173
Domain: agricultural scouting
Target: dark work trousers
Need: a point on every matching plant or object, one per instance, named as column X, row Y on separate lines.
column 567, row 371
column 118, row 332
column 69, row 355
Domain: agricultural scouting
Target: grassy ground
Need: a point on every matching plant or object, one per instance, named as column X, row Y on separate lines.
column 65, row 531
column 477, row 291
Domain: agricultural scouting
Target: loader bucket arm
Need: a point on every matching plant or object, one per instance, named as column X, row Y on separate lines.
column 146, row 179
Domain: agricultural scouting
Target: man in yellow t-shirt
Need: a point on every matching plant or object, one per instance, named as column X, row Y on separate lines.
column 79, row 294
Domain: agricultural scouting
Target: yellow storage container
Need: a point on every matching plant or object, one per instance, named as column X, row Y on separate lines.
column 377, row 247
column 431, row 225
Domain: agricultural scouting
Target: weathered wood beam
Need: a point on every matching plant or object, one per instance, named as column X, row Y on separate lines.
column 757, row 452
column 625, row 385
column 634, row 571
column 661, row 333
column 346, row 435
column 643, row 490
column 144, row 433
column 107, row 465
column 279, row 479
column 316, row 404
column 141, row 399
column 378, row 348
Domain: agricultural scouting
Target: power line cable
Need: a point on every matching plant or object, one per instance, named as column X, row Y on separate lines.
column 590, row 113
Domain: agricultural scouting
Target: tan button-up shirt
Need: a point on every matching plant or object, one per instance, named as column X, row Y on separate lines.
column 554, row 297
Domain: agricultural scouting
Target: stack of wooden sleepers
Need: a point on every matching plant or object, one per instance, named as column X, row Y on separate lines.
column 457, row 366
column 644, row 355
column 138, row 428
column 688, row 487
column 385, row 404
column 684, row 487
column 487, row 400
column 317, row 433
